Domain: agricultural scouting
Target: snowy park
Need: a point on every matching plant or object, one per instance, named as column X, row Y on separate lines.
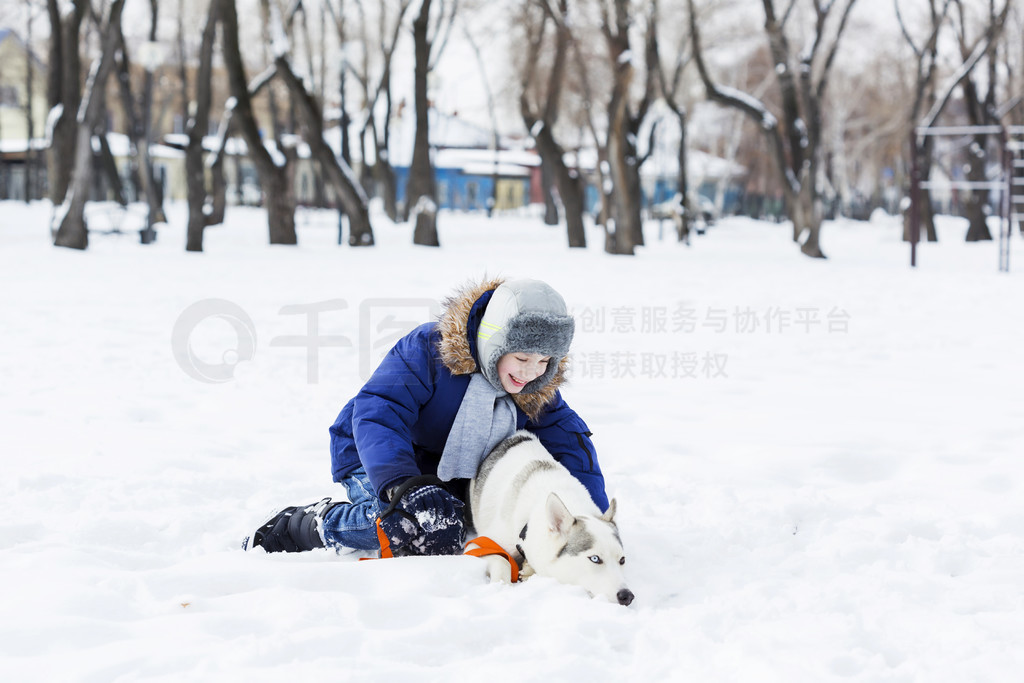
column 789, row 237
column 817, row 463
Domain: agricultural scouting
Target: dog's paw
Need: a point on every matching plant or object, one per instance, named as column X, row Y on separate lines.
column 498, row 569
column 526, row 572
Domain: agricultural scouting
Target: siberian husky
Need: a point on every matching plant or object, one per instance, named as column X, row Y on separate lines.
column 531, row 506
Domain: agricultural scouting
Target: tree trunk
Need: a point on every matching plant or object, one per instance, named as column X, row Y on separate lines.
column 154, row 195
column 806, row 213
column 278, row 192
column 140, row 180
column 218, row 181
column 624, row 167
column 633, row 203
column 976, row 209
column 385, row 172
column 73, row 231
column 926, row 213
column 555, row 175
column 548, row 190
column 421, row 172
column 195, row 168
column 30, row 153
column 624, row 173
column 573, row 205
column 139, row 131
column 63, row 91
column 682, row 182
column 927, row 218
column 218, row 192
column 387, row 185
column 604, row 194
column 570, row 189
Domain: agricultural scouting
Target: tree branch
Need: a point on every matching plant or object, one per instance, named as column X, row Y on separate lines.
column 980, row 49
column 750, row 106
column 823, row 79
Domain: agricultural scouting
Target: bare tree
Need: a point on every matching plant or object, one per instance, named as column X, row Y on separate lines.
column 803, row 76
column 581, row 63
column 671, row 91
column 362, row 75
column 420, row 191
column 275, row 180
column 344, row 120
column 195, row 172
column 30, row 89
column 140, row 129
column 338, row 172
column 307, row 111
column 374, row 87
column 924, row 98
column 382, row 169
column 64, row 91
column 980, row 97
column 72, row 230
column 541, row 115
column 624, row 119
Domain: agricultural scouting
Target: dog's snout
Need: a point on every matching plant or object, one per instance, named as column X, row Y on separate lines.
column 625, row 596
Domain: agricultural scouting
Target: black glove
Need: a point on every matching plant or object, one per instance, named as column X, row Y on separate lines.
column 424, row 519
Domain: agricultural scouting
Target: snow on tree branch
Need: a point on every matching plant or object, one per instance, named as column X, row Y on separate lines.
column 279, row 44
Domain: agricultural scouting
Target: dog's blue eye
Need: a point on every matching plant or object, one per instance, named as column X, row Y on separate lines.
column 595, row 559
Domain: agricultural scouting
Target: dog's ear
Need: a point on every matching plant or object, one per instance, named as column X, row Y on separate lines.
column 559, row 518
column 609, row 515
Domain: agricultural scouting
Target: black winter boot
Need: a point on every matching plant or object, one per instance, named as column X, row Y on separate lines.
column 292, row 530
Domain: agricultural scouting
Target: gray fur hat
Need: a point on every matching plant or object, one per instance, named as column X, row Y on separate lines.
column 527, row 316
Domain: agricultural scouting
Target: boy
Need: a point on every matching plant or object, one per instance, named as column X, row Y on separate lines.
column 445, row 395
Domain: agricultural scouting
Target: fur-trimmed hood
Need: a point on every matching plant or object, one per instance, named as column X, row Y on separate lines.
column 458, row 352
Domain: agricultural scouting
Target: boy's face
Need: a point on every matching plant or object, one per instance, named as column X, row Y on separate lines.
column 516, row 370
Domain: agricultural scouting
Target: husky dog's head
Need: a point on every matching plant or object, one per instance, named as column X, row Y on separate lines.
column 583, row 551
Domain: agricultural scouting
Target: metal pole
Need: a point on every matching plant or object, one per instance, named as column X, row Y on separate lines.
column 1004, row 205
column 915, row 199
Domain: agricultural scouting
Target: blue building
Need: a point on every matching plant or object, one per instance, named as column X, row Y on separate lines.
column 477, row 179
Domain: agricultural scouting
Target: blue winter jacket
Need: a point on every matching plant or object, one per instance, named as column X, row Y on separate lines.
column 397, row 425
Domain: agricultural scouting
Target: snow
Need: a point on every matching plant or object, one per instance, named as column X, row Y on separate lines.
column 698, row 165
column 279, row 42
column 52, row 118
column 768, row 120
column 817, row 463
column 423, row 205
column 483, row 168
column 22, row 146
column 457, row 158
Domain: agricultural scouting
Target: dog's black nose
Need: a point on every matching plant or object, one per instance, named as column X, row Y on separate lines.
column 625, row 596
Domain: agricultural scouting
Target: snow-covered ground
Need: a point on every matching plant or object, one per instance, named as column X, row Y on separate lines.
column 818, row 464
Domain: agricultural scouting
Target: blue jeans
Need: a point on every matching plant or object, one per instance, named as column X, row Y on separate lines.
column 354, row 525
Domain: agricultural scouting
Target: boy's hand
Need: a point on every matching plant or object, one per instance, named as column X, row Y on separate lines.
column 425, row 520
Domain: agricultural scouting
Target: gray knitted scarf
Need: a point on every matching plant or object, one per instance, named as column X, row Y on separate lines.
column 486, row 417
